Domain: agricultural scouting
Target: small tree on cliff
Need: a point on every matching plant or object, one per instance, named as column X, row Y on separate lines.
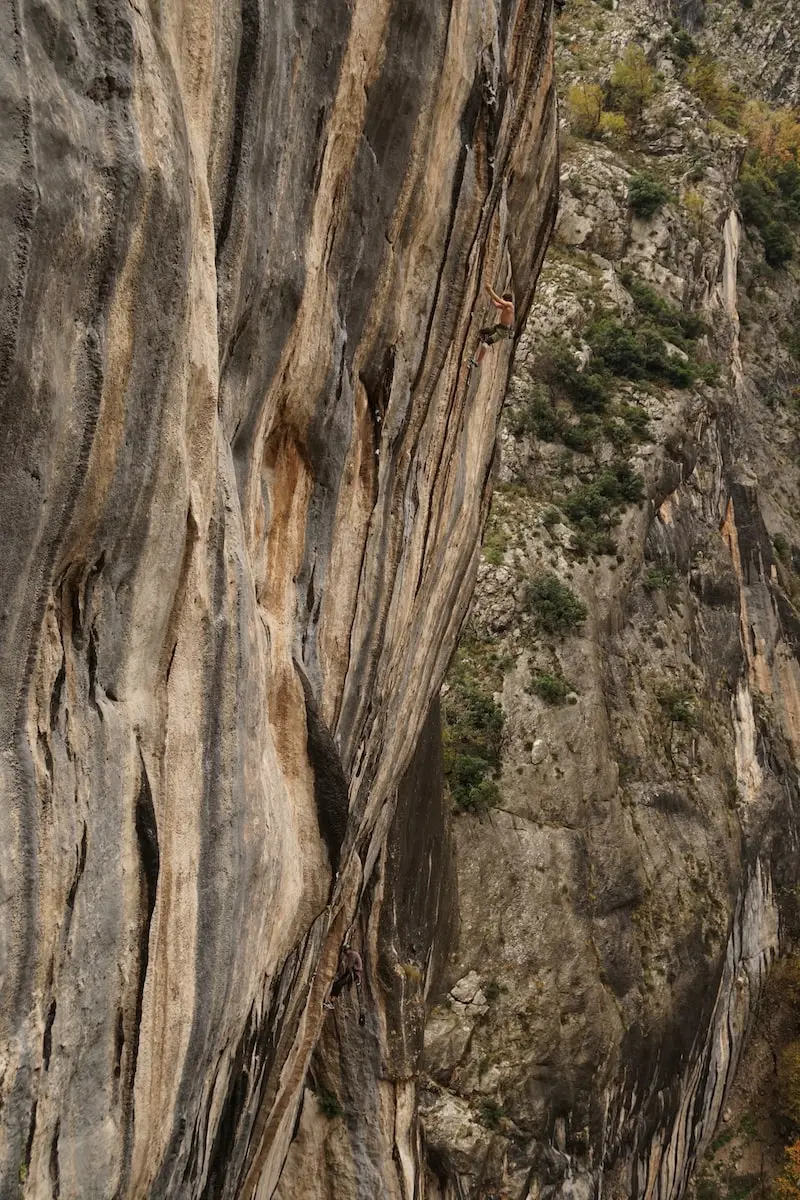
column 585, row 105
column 632, row 82
column 787, row 1185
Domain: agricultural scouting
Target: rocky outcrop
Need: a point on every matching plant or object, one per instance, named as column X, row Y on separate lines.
column 622, row 901
column 245, row 469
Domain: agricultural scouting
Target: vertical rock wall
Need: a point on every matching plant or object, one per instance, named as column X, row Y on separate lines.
column 627, row 887
column 244, row 473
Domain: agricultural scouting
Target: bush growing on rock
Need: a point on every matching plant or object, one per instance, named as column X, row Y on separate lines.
column 632, row 83
column 554, row 606
column 329, row 1103
column 769, row 186
column 585, row 107
column 614, row 126
column 725, row 101
column 594, row 507
column 553, row 689
column 646, row 195
column 678, row 704
column 787, row 1185
column 636, row 353
column 472, row 730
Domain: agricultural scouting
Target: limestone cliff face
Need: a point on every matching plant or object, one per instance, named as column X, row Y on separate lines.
column 244, row 475
column 622, row 901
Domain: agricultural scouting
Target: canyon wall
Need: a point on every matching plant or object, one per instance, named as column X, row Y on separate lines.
column 629, row 875
column 245, row 471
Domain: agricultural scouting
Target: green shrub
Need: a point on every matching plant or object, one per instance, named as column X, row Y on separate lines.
column 553, row 689
column 683, row 45
column 472, row 730
column 646, row 195
column 662, row 579
column 558, row 366
column 783, row 548
column 636, row 420
column 492, row 1114
column 495, row 544
column 678, row 704
column 329, row 1103
column 724, row 100
column 778, row 247
column 636, row 352
column 593, row 507
column 632, row 82
column 554, row 606
column 678, row 326
column 769, row 185
column 614, row 486
column 535, row 414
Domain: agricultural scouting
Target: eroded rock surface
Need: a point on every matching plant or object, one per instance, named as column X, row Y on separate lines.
column 624, row 894
column 245, row 470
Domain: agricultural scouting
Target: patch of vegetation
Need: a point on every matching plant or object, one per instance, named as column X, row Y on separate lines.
column 593, row 508
column 769, row 184
column 707, row 1188
column 587, row 391
column 741, row 1186
column 329, row 1103
column 554, row 606
column 632, row 83
column 678, row 705
column 726, row 101
column 682, row 44
column 492, row 1114
column 472, row 730
column 646, row 195
column 718, row 1143
column 637, row 352
column 788, row 1084
column 787, row 1185
column 492, row 990
column 495, row 543
column 783, row 548
column 662, row 579
column 679, row 326
column 585, row 108
column 553, row 689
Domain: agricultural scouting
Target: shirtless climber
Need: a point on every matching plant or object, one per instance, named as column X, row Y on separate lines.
column 504, row 328
column 352, row 972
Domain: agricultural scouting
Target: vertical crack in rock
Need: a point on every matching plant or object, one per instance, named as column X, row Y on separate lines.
column 330, row 782
column 149, row 864
column 249, row 39
column 55, row 1176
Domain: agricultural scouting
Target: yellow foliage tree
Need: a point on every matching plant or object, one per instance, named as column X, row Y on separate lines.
column 614, row 126
column 787, row 1185
column 696, row 207
column 633, row 81
column 772, row 133
column 788, row 1089
column 724, row 101
column 585, row 105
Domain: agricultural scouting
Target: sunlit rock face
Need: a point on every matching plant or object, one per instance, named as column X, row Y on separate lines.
column 245, row 468
column 623, row 896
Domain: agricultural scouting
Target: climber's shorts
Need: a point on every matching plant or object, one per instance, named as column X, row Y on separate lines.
column 496, row 333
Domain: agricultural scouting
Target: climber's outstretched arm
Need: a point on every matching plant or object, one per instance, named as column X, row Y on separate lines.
column 506, row 306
